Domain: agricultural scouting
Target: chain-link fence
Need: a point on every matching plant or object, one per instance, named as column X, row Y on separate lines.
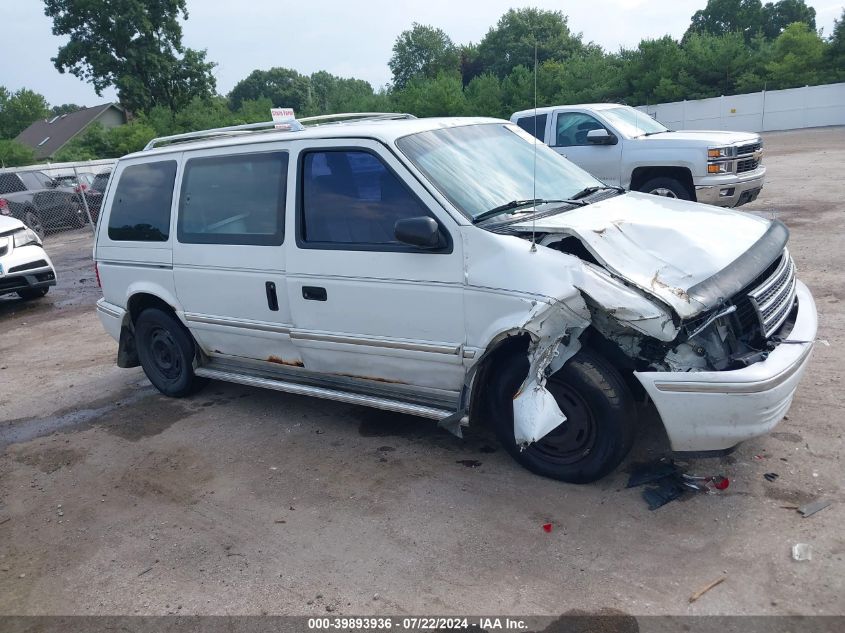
column 55, row 197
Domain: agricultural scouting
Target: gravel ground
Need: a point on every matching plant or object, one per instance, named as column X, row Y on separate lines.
column 116, row 500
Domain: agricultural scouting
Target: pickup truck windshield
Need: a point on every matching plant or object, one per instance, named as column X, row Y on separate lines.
column 484, row 166
column 632, row 122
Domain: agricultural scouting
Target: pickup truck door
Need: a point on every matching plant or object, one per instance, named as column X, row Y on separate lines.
column 568, row 137
column 364, row 305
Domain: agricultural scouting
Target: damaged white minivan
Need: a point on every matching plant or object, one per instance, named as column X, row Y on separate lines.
column 454, row 269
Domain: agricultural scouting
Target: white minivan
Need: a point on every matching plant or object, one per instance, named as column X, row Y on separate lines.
column 455, row 269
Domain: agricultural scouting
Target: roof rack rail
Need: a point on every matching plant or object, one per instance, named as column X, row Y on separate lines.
column 294, row 125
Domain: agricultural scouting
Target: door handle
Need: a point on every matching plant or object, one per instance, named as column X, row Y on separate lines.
column 313, row 293
column 272, row 299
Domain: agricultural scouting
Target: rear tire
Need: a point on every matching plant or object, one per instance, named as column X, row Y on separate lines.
column 32, row 219
column 666, row 187
column 600, row 425
column 33, row 293
column 167, row 352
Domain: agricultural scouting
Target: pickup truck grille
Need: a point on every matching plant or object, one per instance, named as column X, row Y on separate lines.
column 749, row 149
column 774, row 298
column 748, row 164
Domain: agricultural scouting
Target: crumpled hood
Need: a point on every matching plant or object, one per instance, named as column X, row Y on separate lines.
column 661, row 245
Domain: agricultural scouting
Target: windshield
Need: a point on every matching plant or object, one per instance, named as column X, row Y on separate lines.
column 632, row 122
column 480, row 167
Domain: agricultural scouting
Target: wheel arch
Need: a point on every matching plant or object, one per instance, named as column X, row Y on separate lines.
column 643, row 174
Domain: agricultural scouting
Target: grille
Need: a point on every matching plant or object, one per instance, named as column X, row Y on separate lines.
column 40, row 263
column 748, row 164
column 748, row 149
column 773, row 299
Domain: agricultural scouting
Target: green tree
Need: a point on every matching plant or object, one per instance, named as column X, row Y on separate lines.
column 441, row 96
column 19, row 110
column 14, row 154
column 484, row 96
column 591, row 77
column 714, row 63
column 283, row 86
column 835, row 54
column 518, row 90
column 422, row 51
column 330, row 94
column 511, row 42
column 727, row 16
column 776, row 16
column 65, row 108
column 654, row 71
column 98, row 142
column 133, row 45
column 797, row 56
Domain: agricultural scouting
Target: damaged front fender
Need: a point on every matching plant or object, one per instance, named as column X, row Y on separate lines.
column 554, row 330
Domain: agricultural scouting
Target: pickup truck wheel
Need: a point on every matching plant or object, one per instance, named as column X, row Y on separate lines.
column 33, row 220
column 167, row 351
column 33, row 293
column 600, row 424
column 666, row 187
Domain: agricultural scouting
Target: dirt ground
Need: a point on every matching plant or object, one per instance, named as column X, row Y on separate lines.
column 116, row 500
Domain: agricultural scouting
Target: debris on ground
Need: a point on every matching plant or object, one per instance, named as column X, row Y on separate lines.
column 547, row 527
column 770, row 476
column 707, row 588
column 811, row 508
column 669, row 482
column 802, row 551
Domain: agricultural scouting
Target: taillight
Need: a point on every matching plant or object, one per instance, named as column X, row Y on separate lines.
column 80, row 188
column 97, row 273
column 4, row 207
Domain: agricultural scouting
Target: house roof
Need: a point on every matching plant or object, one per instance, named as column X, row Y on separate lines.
column 48, row 136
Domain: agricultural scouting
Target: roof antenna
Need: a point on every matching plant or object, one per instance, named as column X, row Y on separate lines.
column 534, row 178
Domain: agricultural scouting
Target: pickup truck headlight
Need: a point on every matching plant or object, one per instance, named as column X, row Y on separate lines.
column 25, row 237
column 719, row 152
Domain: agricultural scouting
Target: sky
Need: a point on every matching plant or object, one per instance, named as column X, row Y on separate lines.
column 348, row 39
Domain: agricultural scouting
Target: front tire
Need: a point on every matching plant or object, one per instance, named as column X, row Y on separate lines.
column 33, row 293
column 666, row 187
column 167, row 352
column 600, row 425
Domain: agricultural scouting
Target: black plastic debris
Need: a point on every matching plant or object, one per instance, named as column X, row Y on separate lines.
column 770, row 476
column 813, row 507
column 668, row 482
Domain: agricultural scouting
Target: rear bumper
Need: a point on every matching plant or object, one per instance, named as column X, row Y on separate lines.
column 730, row 190
column 712, row 411
column 111, row 316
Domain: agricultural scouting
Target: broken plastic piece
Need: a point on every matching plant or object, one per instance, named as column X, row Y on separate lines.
column 653, row 471
column 813, row 507
column 547, row 527
column 668, row 490
column 802, row 551
column 770, row 476
column 721, row 483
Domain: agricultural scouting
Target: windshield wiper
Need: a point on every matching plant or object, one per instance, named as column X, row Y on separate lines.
column 513, row 204
column 588, row 191
column 653, row 133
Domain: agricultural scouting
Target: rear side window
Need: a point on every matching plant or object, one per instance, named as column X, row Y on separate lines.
column 234, row 200
column 11, row 183
column 141, row 208
column 351, row 197
column 534, row 125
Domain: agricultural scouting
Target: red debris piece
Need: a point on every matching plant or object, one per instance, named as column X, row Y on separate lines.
column 547, row 527
column 721, row 483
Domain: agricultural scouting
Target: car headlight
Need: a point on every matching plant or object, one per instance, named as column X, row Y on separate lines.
column 26, row 237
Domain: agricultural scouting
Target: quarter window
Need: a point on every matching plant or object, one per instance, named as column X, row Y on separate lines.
column 141, row 208
column 534, row 125
column 234, row 200
column 351, row 197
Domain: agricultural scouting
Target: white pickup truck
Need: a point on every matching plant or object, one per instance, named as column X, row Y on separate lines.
column 623, row 146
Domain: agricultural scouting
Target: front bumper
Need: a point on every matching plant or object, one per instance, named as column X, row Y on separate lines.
column 730, row 190
column 25, row 268
column 716, row 410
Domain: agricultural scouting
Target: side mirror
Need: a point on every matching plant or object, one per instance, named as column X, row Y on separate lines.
column 601, row 137
column 421, row 231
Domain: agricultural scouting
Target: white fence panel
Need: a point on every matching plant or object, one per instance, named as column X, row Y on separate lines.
column 810, row 106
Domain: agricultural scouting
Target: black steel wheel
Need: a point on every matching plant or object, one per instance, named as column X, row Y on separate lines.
column 167, row 352
column 600, row 419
